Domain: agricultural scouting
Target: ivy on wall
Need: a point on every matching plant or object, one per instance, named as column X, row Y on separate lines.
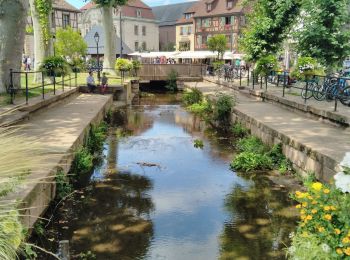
column 44, row 8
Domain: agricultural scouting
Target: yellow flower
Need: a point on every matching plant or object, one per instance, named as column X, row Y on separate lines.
column 327, row 208
column 339, row 251
column 321, row 229
column 314, row 211
column 347, row 251
column 346, row 240
column 302, row 212
column 333, row 208
column 301, row 195
column 326, row 191
column 337, row 231
column 304, row 204
column 314, row 202
column 328, row 217
column 310, row 197
column 308, row 217
column 304, row 234
column 317, row 186
column 298, row 206
column 302, row 217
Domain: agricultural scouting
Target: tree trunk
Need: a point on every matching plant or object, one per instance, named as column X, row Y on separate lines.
column 110, row 40
column 41, row 49
column 13, row 18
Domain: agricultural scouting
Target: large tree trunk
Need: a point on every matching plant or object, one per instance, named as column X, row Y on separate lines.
column 41, row 48
column 110, row 40
column 13, row 17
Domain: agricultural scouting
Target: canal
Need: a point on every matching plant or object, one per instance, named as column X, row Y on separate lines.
column 155, row 196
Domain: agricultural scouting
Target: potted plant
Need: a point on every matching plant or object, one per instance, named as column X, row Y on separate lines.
column 55, row 66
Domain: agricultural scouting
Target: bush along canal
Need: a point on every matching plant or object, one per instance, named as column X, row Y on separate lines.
column 162, row 188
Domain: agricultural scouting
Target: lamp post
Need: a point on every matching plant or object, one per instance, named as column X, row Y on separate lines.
column 54, row 43
column 97, row 40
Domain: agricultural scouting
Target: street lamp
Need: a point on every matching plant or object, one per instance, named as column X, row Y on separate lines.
column 97, row 40
column 54, row 43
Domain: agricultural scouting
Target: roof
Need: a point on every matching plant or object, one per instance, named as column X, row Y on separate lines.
column 192, row 9
column 218, row 8
column 167, row 15
column 128, row 9
column 90, row 41
column 63, row 5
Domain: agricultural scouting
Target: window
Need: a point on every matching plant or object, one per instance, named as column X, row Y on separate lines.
column 208, row 7
column 189, row 30
column 53, row 20
column 188, row 15
column 136, row 29
column 229, row 4
column 136, row 46
column 144, row 30
column 184, row 46
column 227, row 20
column 242, row 18
column 144, row 46
column 181, row 30
column 138, row 13
column 65, row 20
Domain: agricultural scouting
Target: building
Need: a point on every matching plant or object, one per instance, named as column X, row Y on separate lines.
column 138, row 30
column 213, row 17
column 167, row 17
column 63, row 15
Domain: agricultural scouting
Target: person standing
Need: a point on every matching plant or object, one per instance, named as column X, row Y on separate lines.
column 29, row 64
column 104, row 83
column 90, row 81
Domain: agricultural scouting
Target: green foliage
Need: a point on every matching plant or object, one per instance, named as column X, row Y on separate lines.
column 238, row 130
column 123, row 65
column 251, row 144
column 265, row 65
column 57, row 65
column 29, row 29
column 96, row 138
column 82, row 163
column 44, row 8
column 111, row 3
column 172, row 81
column 217, row 43
column 29, row 253
column 63, row 186
column 324, row 223
column 223, row 108
column 87, row 256
column 192, row 96
column 69, row 43
column 250, row 161
column 268, row 26
column 218, row 64
column 39, row 228
column 136, row 66
column 307, row 67
column 324, row 34
column 198, row 144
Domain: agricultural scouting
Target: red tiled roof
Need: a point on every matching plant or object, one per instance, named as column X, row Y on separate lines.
column 218, row 8
column 63, row 5
column 130, row 3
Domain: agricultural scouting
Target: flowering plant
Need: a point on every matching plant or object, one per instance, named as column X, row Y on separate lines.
column 324, row 218
column 342, row 178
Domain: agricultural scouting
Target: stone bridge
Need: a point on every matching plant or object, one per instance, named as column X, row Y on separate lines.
column 185, row 72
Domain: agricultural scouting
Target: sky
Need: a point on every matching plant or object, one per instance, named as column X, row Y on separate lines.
column 80, row 3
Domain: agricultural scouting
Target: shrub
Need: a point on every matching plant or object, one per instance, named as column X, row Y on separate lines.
column 306, row 67
column 136, row 66
column 223, row 108
column 63, row 186
column 54, row 64
column 82, row 163
column 265, row 65
column 194, row 96
column 251, row 144
column 324, row 221
column 250, row 161
column 96, row 138
column 123, row 65
column 238, row 130
column 172, row 81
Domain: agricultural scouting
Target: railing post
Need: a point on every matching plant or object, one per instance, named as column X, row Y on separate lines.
column 43, row 84
column 261, row 83
column 62, row 82
column 27, row 90
column 54, row 82
column 284, row 83
column 307, row 88
column 248, row 77
column 76, row 78
column 12, row 89
column 240, row 76
column 266, row 77
column 70, row 80
column 253, row 78
column 336, row 96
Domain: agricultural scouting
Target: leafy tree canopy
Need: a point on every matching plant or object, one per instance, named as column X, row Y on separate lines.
column 217, row 43
column 269, row 24
column 69, row 43
column 113, row 3
column 324, row 34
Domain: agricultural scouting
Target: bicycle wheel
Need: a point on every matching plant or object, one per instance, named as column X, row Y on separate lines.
column 344, row 97
column 307, row 94
column 319, row 92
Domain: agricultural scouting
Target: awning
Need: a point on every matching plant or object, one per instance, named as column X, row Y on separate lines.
column 196, row 55
column 155, row 54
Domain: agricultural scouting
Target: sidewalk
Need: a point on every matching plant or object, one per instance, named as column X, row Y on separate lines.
column 317, row 146
column 294, row 100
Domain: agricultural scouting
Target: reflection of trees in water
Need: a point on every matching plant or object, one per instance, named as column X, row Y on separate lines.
column 260, row 225
column 114, row 222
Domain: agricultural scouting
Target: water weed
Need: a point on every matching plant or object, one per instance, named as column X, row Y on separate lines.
column 239, row 131
column 192, row 96
column 198, row 144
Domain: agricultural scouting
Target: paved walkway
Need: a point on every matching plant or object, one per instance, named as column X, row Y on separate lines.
column 324, row 138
